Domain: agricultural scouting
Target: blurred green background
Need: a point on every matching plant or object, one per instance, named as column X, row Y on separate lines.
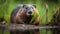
column 6, row 7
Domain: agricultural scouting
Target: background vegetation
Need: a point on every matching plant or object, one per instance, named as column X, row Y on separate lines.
column 6, row 7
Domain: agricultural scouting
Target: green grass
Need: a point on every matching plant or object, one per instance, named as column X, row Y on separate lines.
column 4, row 32
column 7, row 7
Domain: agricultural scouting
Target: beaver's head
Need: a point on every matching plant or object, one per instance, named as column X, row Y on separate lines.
column 29, row 9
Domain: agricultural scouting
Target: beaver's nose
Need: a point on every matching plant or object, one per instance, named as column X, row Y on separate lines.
column 30, row 12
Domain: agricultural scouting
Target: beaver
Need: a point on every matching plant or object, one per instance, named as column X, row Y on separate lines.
column 25, row 14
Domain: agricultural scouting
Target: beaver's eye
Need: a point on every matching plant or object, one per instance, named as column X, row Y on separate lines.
column 26, row 8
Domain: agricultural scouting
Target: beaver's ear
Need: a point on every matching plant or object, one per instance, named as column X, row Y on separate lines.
column 34, row 6
column 24, row 6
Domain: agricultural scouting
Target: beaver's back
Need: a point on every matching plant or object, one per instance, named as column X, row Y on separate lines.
column 14, row 12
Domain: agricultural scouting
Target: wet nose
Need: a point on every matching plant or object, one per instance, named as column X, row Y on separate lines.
column 30, row 12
